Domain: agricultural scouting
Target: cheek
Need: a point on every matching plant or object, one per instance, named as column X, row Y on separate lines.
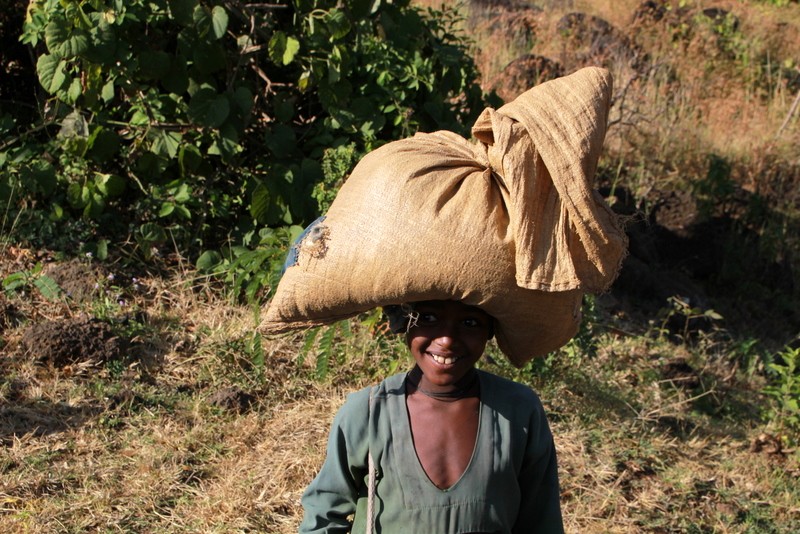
column 477, row 343
column 414, row 343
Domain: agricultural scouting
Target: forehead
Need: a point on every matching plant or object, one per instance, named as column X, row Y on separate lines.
column 449, row 308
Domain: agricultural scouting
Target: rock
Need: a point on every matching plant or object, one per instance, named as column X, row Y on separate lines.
column 523, row 73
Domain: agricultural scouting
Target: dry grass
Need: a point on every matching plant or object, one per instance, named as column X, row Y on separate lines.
column 152, row 452
column 126, row 453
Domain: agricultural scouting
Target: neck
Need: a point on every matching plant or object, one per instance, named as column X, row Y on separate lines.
column 468, row 386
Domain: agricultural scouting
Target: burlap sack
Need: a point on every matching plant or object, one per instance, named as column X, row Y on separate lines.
column 509, row 222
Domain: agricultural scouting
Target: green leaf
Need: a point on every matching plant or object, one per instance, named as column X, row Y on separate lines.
column 208, row 57
column 50, row 69
column 77, row 195
column 208, row 260
column 111, row 185
column 102, row 250
column 183, row 211
column 276, row 47
column 48, row 288
column 304, row 82
column 166, row 143
column 189, row 159
column 208, row 108
column 166, row 209
column 153, row 64
column 283, row 107
column 15, row 281
column 103, row 144
column 226, row 143
column 219, row 21
column 177, row 78
column 74, row 91
column 292, row 48
column 152, row 233
column 242, row 98
column 201, row 17
column 56, row 212
column 183, row 194
column 338, row 24
column 281, row 140
column 308, row 343
column 107, row 92
column 40, row 176
column 64, row 41
column 259, row 203
column 139, row 118
column 325, row 351
column 283, row 49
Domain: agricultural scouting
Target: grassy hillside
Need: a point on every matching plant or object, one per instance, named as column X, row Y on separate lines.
column 147, row 402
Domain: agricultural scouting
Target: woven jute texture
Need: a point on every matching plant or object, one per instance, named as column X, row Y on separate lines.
column 509, row 222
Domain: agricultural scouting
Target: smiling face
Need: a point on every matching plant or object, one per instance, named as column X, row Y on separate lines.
column 447, row 339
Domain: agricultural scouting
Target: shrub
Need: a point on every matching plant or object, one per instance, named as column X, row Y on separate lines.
column 195, row 123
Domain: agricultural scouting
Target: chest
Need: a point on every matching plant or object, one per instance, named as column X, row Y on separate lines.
column 444, row 436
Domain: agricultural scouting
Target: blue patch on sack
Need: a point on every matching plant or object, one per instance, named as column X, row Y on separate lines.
column 314, row 234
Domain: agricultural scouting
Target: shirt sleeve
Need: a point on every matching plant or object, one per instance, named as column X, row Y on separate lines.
column 540, row 504
column 330, row 500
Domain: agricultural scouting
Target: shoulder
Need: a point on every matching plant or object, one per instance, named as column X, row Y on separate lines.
column 513, row 399
column 514, row 391
column 357, row 403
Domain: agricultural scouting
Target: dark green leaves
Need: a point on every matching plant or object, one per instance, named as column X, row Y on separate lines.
column 213, row 22
column 283, row 49
column 50, row 69
column 65, row 41
column 181, row 110
column 207, row 108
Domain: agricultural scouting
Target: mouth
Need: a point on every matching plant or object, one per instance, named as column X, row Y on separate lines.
column 444, row 360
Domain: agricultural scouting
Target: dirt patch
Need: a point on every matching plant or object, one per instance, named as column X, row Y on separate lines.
column 9, row 314
column 80, row 340
column 78, row 280
column 232, row 399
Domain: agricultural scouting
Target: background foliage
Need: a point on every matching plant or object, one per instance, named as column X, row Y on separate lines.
column 187, row 125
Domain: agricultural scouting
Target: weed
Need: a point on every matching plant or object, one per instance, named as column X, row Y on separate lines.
column 21, row 281
column 784, row 390
column 684, row 319
column 326, row 344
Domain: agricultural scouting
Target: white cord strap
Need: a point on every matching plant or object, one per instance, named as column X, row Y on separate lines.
column 372, row 475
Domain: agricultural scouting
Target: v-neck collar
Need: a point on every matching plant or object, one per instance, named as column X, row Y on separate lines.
column 418, row 489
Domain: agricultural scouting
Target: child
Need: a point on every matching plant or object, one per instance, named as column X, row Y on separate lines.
column 454, row 449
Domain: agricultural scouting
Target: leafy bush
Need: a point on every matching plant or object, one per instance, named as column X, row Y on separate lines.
column 195, row 123
column 784, row 390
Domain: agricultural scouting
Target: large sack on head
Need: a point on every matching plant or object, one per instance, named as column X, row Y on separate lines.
column 509, row 222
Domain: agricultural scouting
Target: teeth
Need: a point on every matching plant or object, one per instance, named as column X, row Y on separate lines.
column 443, row 360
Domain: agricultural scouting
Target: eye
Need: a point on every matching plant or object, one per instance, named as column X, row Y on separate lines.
column 473, row 322
column 427, row 318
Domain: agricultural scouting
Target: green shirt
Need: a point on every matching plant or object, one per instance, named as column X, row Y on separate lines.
column 510, row 485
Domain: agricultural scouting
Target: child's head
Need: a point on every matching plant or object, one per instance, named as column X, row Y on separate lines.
column 446, row 338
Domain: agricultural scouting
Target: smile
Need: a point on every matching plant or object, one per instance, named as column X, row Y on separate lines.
column 444, row 360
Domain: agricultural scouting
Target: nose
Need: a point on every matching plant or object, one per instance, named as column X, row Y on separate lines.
column 446, row 336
